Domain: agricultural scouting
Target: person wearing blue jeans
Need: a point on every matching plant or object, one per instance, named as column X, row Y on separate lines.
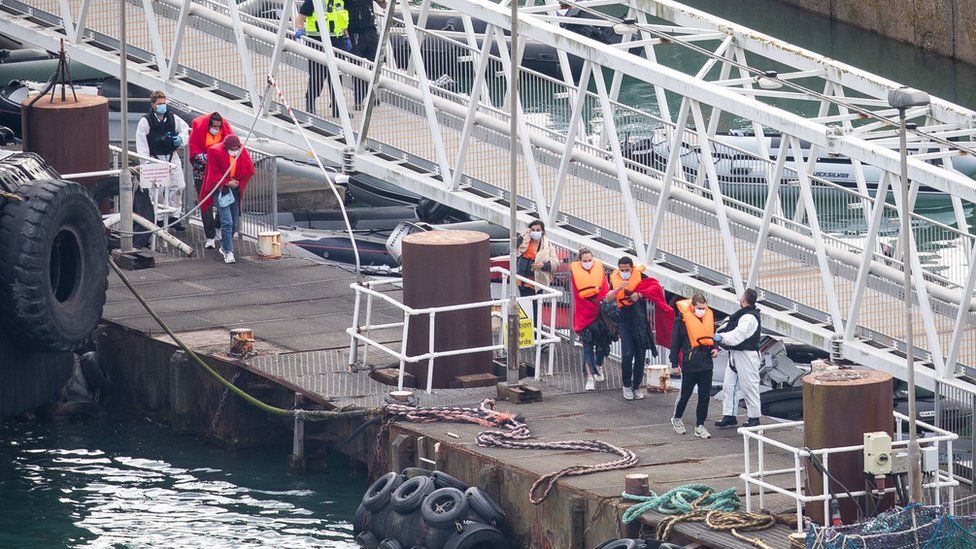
column 632, row 356
column 229, row 168
column 228, row 221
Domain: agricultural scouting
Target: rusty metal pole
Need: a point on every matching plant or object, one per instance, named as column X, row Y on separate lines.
column 512, row 372
column 125, row 184
column 838, row 408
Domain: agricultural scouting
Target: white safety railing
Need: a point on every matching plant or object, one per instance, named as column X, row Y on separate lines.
column 764, row 480
column 542, row 334
column 709, row 213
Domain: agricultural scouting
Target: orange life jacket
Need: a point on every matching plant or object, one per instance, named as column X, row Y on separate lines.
column 587, row 283
column 617, row 282
column 212, row 139
column 698, row 328
column 233, row 167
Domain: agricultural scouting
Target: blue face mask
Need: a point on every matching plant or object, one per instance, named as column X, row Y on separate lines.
column 161, row 109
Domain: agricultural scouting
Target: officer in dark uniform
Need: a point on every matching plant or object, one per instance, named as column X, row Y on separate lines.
column 365, row 39
column 337, row 21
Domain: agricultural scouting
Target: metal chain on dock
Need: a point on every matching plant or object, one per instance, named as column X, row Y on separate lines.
column 515, row 436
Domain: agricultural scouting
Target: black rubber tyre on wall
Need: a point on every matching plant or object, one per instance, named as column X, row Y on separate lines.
column 53, row 265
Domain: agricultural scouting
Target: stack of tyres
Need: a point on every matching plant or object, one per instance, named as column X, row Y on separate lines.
column 427, row 510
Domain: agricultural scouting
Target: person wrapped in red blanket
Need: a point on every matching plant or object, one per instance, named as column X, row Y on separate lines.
column 589, row 282
column 229, row 168
column 633, row 289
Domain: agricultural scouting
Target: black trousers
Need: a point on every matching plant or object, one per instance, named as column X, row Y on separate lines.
column 210, row 224
column 690, row 380
column 318, row 78
column 364, row 44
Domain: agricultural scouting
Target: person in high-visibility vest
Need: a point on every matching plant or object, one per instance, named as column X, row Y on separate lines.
column 640, row 300
column 589, row 283
column 307, row 23
column 693, row 340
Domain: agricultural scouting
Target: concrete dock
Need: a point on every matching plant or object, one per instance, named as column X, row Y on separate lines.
column 299, row 311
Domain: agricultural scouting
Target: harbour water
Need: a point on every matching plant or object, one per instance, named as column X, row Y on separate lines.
column 127, row 482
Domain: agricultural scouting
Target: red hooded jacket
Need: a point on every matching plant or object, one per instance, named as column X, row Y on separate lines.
column 199, row 130
column 651, row 290
column 218, row 162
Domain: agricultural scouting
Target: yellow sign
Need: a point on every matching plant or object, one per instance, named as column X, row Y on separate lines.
column 526, row 335
column 525, row 329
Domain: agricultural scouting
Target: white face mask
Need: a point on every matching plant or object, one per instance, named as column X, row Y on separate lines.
column 535, row 235
column 214, row 131
column 700, row 312
column 587, row 264
column 234, row 152
column 625, row 276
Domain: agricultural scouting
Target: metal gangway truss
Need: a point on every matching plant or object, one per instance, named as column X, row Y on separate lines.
column 710, row 213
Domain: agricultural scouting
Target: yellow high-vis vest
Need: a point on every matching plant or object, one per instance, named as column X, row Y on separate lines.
column 336, row 17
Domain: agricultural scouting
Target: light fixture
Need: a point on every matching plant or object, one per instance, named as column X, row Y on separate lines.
column 769, row 81
column 627, row 26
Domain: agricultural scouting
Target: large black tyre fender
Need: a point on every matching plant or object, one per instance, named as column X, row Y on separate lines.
column 444, row 480
column 483, row 506
column 390, row 544
column 367, row 540
column 476, row 535
column 623, row 544
column 408, row 497
column 53, row 265
column 360, row 522
column 378, row 493
column 444, row 507
column 407, row 529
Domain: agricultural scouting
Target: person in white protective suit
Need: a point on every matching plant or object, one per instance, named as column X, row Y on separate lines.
column 160, row 134
column 741, row 335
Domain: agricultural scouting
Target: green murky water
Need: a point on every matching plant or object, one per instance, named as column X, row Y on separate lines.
column 126, row 482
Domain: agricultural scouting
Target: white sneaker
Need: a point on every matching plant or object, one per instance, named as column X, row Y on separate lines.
column 229, row 257
column 679, row 426
column 590, row 386
column 701, row 432
column 223, row 254
column 638, row 394
column 210, row 244
column 628, row 393
column 599, row 374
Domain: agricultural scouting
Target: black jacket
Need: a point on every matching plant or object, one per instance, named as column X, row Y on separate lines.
column 698, row 361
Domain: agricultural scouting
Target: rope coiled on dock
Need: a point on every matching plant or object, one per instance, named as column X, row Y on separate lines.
column 506, row 431
column 700, row 503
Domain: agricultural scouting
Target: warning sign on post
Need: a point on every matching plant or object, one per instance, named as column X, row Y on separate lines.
column 526, row 336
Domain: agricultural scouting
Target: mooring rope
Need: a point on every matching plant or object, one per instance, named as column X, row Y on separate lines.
column 515, row 436
column 311, row 415
column 700, row 503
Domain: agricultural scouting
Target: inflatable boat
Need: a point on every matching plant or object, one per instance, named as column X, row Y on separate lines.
column 738, row 168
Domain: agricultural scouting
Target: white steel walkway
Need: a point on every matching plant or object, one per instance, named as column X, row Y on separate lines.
column 714, row 213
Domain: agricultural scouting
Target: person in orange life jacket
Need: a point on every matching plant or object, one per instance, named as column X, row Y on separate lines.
column 206, row 131
column 633, row 289
column 692, row 338
column 318, row 74
column 536, row 261
column 589, row 283
column 229, row 168
column 741, row 335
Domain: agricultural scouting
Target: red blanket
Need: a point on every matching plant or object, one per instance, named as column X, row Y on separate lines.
column 650, row 289
column 586, row 311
